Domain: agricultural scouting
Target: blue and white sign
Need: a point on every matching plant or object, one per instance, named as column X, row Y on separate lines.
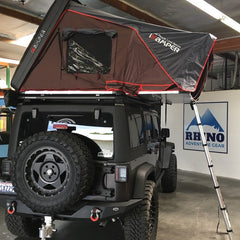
column 214, row 118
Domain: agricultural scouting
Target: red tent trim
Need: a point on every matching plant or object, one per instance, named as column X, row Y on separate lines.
column 109, row 88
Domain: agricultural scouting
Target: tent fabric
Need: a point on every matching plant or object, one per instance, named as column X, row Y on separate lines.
column 92, row 50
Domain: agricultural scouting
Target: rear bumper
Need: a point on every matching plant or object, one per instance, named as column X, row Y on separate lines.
column 107, row 209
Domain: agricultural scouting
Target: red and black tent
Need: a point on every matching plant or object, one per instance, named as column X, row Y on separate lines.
column 79, row 48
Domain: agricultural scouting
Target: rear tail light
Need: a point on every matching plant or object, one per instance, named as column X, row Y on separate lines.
column 121, row 174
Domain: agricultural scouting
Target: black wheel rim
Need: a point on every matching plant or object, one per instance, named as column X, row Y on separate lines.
column 47, row 171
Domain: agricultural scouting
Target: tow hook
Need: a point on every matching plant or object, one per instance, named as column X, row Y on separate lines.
column 48, row 228
column 11, row 208
column 95, row 214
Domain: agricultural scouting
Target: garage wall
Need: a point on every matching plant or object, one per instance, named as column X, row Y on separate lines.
column 226, row 165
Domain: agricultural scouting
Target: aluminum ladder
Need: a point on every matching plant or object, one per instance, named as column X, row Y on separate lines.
column 214, row 178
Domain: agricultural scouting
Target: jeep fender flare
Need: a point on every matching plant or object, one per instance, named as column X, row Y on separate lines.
column 144, row 172
column 166, row 151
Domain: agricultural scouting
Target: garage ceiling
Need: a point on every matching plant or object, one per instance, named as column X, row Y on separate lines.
column 181, row 14
column 18, row 20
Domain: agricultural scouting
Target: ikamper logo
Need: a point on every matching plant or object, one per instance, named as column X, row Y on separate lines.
column 215, row 129
column 165, row 42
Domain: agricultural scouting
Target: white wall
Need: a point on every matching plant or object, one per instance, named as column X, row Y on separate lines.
column 226, row 165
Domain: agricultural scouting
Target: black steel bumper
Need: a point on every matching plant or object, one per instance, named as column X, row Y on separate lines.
column 84, row 211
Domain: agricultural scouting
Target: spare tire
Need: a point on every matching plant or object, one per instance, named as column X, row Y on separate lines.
column 50, row 171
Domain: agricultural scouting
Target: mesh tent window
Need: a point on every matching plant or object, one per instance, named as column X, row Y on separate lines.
column 88, row 51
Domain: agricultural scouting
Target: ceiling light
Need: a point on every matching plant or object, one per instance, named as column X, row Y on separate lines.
column 10, row 61
column 214, row 12
column 21, row 1
column 24, row 41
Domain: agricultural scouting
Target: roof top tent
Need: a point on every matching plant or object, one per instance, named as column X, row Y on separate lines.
column 77, row 48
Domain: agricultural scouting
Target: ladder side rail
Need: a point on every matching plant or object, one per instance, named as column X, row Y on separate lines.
column 214, row 177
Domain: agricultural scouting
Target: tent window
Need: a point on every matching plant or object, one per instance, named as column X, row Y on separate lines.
column 89, row 51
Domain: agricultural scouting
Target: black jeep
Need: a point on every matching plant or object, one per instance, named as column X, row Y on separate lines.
column 86, row 141
column 98, row 157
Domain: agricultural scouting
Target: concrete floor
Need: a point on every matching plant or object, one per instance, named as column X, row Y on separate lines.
column 191, row 213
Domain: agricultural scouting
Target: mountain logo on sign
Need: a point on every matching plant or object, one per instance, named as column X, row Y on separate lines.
column 207, row 119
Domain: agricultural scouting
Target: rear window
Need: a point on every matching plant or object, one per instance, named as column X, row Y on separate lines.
column 152, row 127
column 135, row 130
column 99, row 130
